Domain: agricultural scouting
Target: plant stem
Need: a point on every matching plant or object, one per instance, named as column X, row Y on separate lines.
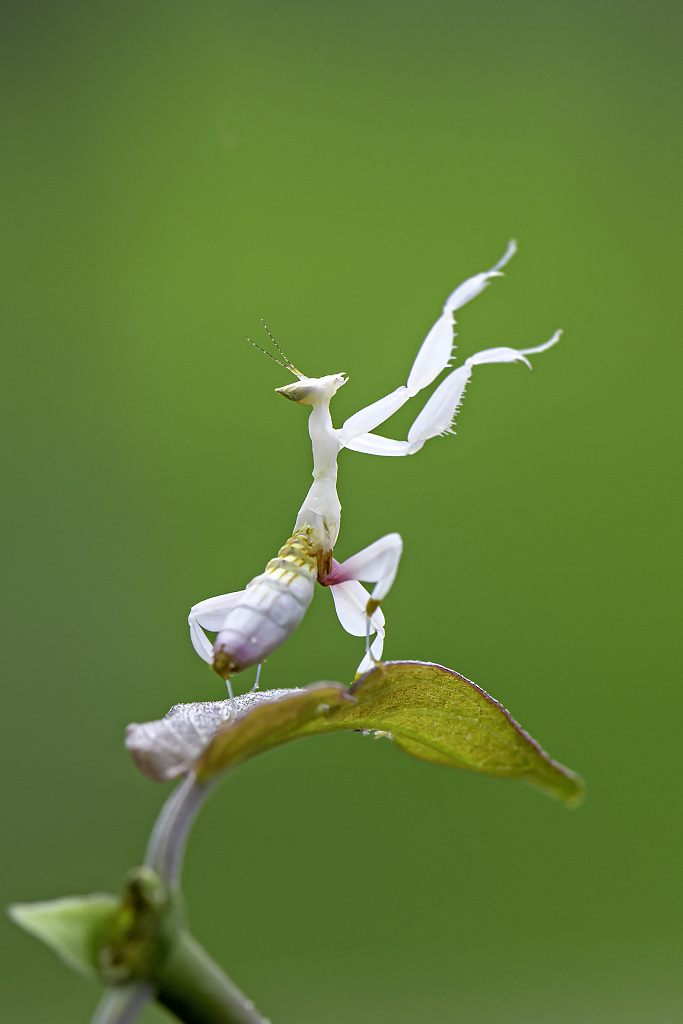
column 167, row 843
column 193, row 987
column 123, row 1005
column 185, row 980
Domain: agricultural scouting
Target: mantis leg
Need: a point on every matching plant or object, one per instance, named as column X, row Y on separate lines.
column 432, row 358
column 438, row 414
column 210, row 614
column 358, row 611
column 351, row 604
column 377, row 563
column 258, row 676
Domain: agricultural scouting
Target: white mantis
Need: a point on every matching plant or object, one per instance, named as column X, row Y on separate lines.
column 253, row 622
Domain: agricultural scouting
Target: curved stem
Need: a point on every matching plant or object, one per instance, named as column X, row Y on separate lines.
column 123, row 1005
column 185, row 979
column 167, row 843
column 193, row 987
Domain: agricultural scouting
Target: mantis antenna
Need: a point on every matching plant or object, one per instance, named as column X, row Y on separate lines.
column 288, row 364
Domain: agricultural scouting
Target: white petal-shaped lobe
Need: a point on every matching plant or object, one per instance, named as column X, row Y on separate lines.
column 350, row 603
column 377, row 563
column 433, row 355
column 200, row 641
column 212, row 613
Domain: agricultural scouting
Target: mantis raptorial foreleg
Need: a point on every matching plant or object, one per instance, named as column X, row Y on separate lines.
column 432, row 359
column 253, row 622
column 437, row 415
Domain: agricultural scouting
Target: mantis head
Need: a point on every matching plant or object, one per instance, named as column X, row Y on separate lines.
column 311, row 390
column 307, row 390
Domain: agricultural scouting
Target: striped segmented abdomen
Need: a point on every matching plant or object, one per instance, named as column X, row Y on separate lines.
column 272, row 606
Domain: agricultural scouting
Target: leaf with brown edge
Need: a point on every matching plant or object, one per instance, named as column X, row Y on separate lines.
column 268, row 725
column 168, row 747
column 429, row 711
column 175, row 744
column 436, row 715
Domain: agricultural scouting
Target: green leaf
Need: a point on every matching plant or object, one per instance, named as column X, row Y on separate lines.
column 73, row 927
column 427, row 710
column 437, row 715
column 171, row 746
column 268, row 725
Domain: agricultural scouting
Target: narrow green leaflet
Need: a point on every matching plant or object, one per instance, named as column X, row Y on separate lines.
column 437, row 715
column 73, row 927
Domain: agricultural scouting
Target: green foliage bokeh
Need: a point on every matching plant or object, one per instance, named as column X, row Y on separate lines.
column 174, row 172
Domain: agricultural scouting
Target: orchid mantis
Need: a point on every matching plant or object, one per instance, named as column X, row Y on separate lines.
column 252, row 623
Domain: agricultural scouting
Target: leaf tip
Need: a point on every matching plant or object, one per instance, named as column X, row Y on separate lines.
column 71, row 926
column 561, row 783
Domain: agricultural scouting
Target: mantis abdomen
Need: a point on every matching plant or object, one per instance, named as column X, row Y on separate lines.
column 270, row 608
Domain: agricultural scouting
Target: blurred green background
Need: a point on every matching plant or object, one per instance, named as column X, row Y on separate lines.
column 173, row 173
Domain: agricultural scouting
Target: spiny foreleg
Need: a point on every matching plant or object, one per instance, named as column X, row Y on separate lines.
column 432, row 358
